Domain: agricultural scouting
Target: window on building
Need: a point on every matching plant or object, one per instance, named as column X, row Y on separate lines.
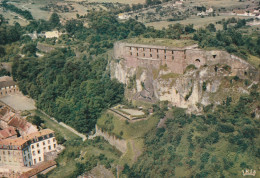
column 33, row 153
column 45, row 137
column 137, row 54
column 38, row 144
column 131, row 53
column 150, row 50
column 49, row 141
column 39, row 151
column 49, row 147
column 32, row 146
column 172, row 57
column 144, row 54
column 130, row 48
column 9, row 152
column 3, row 152
column 54, row 146
column 0, row 158
column 164, row 57
column 157, row 56
column 40, row 159
column 172, row 52
column 34, row 161
column 54, row 140
column 151, row 55
column 43, row 143
column 157, row 50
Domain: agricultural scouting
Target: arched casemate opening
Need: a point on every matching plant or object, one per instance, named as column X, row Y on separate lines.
column 216, row 68
column 214, row 56
column 197, row 60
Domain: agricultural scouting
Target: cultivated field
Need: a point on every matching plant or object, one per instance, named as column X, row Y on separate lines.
column 196, row 20
column 13, row 17
column 114, row 1
column 19, row 102
column 228, row 4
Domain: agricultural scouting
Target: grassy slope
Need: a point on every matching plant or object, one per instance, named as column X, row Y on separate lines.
column 132, row 132
column 162, row 42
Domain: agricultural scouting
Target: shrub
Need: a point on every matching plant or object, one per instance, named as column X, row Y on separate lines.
column 212, row 138
column 204, row 86
column 225, row 128
column 204, row 157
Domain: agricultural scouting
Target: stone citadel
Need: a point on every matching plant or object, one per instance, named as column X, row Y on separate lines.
column 177, row 59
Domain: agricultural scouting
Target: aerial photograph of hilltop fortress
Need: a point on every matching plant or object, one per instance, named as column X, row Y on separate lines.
column 129, row 89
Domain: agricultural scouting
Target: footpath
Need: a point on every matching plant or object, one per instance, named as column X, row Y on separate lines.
column 64, row 125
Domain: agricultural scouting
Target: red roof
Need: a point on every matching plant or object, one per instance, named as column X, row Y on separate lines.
column 38, row 169
column 19, row 123
column 8, row 132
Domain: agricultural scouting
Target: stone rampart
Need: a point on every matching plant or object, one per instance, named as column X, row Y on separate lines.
column 177, row 59
column 120, row 144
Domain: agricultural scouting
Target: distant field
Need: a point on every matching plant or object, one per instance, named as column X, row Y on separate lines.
column 114, row 1
column 219, row 3
column 13, row 17
column 197, row 21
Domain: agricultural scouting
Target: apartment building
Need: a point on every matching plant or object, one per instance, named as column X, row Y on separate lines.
column 12, row 151
column 27, row 150
column 41, row 142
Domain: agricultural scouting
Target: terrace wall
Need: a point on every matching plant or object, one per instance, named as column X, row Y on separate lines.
column 120, row 144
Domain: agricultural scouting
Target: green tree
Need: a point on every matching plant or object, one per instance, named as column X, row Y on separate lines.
column 54, row 20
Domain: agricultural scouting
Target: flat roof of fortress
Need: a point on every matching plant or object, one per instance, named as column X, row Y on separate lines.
column 159, row 43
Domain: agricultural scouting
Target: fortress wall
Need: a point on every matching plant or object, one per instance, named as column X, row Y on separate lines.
column 120, row 144
column 195, row 57
column 178, row 59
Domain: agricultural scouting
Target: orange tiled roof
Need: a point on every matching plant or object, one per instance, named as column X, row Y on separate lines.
column 38, row 134
column 18, row 123
column 16, row 141
column 8, row 132
column 38, row 168
column 21, row 140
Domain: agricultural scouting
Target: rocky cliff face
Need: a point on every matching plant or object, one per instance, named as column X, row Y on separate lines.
column 195, row 88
